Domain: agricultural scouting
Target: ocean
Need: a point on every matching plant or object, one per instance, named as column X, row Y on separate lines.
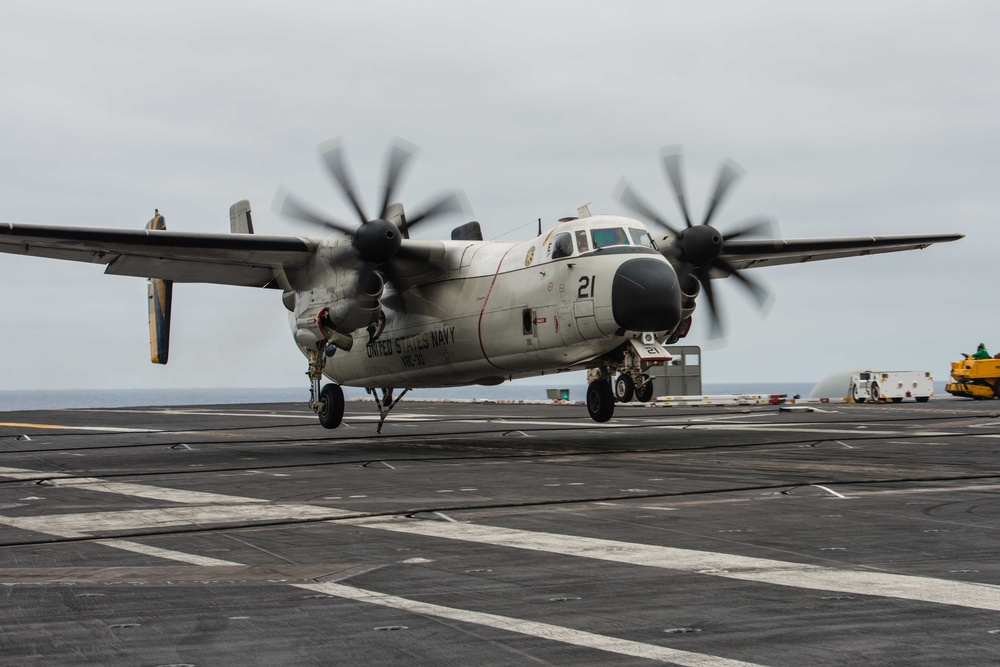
column 41, row 399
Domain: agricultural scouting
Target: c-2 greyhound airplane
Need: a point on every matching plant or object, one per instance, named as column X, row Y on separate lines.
column 371, row 307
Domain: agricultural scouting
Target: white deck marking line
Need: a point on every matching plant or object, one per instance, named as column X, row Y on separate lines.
column 933, row 489
column 782, row 573
column 715, row 418
column 782, row 428
column 829, row 490
column 129, row 488
column 761, row 570
column 516, row 625
column 844, row 444
column 115, row 429
column 90, row 523
column 21, row 473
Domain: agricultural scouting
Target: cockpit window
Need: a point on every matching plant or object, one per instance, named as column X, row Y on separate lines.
column 640, row 237
column 581, row 240
column 606, row 237
column 562, row 246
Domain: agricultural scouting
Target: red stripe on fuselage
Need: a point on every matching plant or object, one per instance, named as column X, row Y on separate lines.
column 479, row 329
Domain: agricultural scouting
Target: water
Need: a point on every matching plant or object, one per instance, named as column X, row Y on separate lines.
column 116, row 398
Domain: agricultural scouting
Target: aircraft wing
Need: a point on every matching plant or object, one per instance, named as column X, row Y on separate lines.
column 748, row 254
column 225, row 259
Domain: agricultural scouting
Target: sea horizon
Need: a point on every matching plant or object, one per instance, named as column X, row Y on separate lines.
column 41, row 399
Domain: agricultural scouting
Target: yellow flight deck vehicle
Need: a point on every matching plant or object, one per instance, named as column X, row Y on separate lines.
column 975, row 378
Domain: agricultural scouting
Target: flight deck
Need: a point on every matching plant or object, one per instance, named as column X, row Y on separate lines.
column 829, row 534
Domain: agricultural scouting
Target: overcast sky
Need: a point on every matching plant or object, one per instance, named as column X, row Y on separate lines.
column 864, row 118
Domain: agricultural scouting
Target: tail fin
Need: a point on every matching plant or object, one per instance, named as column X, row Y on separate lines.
column 239, row 218
column 160, row 294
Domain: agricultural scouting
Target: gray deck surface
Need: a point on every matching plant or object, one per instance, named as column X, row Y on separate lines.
column 502, row 535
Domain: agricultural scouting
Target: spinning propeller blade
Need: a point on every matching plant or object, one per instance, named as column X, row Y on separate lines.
column 697, row 249
column 376, row 241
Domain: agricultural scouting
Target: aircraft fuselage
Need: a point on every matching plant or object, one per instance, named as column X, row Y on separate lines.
column 499, row 311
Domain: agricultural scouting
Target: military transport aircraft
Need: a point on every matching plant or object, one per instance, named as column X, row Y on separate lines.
column 371, row 307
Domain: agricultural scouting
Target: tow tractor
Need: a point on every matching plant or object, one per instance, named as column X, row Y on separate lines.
column 891, row 386
column 975, row 378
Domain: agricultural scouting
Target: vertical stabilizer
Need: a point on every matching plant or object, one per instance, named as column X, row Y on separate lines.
column 160, row 295
column 239, row 218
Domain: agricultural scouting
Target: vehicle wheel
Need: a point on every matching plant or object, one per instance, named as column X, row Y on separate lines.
column 624, row 388
column 923, row 399
column 996, row 389
column 644, row 392
column 855, row 396
column 874, row 392
column 897, row 399
column 331, row 406
column 600, row 401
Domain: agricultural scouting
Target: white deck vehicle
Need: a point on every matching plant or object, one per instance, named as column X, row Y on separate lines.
column 891, row 386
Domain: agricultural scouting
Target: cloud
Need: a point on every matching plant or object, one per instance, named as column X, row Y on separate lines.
column 850, row 119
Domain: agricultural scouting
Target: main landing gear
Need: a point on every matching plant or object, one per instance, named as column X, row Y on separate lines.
column 328, row 402
column 600, row 400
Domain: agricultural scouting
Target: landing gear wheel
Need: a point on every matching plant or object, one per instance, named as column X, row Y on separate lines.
column 856, row 395
column 624, row 388
column 875, row 393
column 600, row 401
column 644, row 390
column 924, row 399
column 331, row 406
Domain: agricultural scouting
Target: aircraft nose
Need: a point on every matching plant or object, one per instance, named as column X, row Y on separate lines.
column 645, row 296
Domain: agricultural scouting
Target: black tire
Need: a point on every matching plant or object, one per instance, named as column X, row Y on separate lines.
column 897, row 399
column 644, row 392
column 331, row 406
column 624, row 388
column 996, row 389
column 854, row 394
column 923, row 399
column 600, row 401
column 874, row 392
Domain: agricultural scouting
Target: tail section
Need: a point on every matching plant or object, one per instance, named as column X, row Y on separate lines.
column 160, row 293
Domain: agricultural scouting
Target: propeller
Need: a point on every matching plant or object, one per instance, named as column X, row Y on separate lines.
column 697, row 249
column 377, row 241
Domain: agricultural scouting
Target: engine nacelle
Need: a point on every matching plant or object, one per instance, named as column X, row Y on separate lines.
column 352, row 302
column 690, row 289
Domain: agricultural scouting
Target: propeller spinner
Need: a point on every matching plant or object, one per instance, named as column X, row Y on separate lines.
column 697, row 249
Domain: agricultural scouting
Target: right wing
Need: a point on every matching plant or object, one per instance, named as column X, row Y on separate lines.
column 748, row 254
column 184, row 257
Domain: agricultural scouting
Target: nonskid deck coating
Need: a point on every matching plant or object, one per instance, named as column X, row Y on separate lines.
column 498, row 535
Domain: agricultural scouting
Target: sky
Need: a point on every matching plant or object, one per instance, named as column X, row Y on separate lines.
column 852, row 118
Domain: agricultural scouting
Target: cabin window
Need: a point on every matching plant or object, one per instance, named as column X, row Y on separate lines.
column 640, row 237
column 562, row 245
column 581, row 241
column 606, row 237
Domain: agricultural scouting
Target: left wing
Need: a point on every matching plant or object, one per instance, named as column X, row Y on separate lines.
column 747, row 254
column 224, row 259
